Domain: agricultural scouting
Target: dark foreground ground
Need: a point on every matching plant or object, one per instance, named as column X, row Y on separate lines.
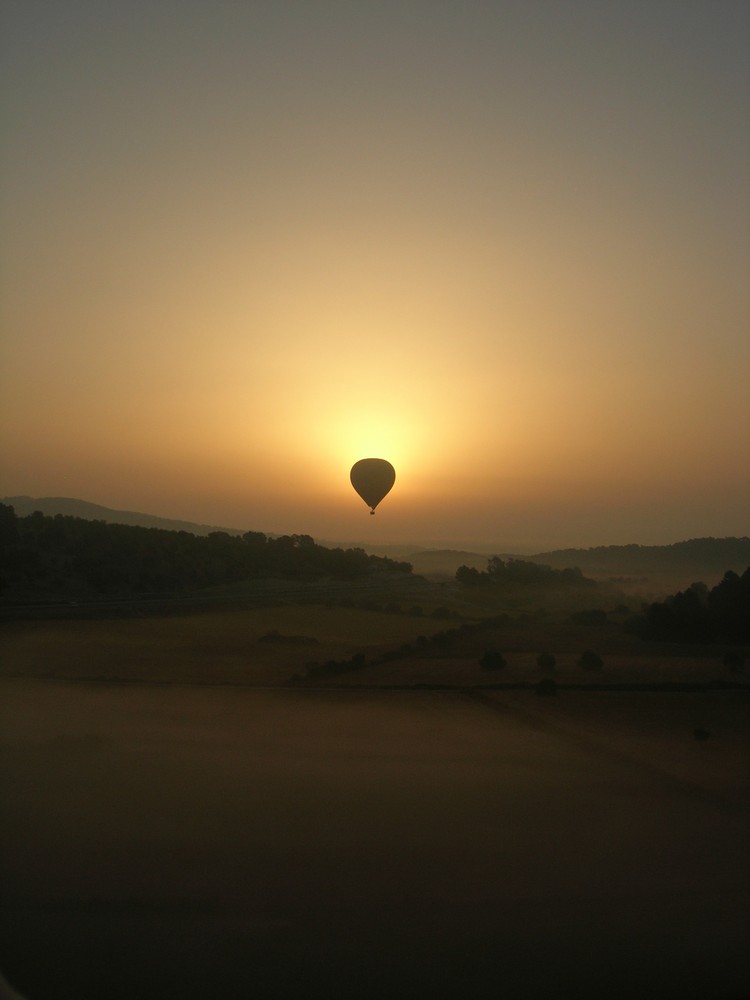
column 167, row 841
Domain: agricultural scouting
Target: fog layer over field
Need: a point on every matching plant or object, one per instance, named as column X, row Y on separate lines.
column 173, row 841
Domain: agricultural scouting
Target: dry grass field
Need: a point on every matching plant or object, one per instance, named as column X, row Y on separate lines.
column 223, row 647
column 180, row 822
column 269, row 645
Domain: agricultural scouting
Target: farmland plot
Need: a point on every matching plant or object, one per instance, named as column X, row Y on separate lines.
column 254, row 646
column 197, row 842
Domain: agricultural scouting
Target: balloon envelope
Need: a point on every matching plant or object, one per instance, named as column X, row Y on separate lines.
column 372, row 478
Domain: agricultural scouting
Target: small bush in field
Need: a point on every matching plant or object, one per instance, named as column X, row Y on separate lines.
column 590, row 660
column 491, row 659
column 546, row 662
column 734, row 660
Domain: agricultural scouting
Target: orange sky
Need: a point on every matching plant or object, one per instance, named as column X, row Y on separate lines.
column 503, row 246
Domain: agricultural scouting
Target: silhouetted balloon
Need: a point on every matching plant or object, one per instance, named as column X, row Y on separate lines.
column 372, row 478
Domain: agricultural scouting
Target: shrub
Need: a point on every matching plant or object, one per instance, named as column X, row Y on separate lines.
column 734, row 659
column 491, row 659
column 546, row 661
column 590, row 660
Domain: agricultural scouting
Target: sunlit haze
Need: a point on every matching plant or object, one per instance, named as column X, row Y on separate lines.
column 504, row 246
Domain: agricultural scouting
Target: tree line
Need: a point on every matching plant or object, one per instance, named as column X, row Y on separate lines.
column 698, row 614
column 696, row 555
column 518, row 571
column 63, row 556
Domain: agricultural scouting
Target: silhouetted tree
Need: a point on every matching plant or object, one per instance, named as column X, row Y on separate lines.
column 590, row 660
column 64, row 556
column 700, row 615
column 734, row 659
column 546, row 661
column 470, row 576
column 729, row 606
column 518, row 571
column 492, row 659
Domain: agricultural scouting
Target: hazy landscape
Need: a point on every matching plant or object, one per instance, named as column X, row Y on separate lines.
column 374, row 494
column 375, row 785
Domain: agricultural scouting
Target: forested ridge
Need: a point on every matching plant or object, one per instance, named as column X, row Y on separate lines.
column 699, row 614
column 67, row 557
column 519, row 572
column 698, row 555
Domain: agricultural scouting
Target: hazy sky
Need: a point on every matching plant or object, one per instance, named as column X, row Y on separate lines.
column 505, row 245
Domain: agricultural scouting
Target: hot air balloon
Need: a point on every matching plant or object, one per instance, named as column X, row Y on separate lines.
column 372, row 478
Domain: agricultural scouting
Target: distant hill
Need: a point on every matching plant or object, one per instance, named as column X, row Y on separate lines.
column 649, row 568
column 705, row 559
column 67, row 558
column 94, row 512
column 437, row 564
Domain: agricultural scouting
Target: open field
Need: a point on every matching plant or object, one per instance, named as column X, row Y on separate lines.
column 253, row 646
column 172, row 841
column 271, row 645
column 180, row 821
